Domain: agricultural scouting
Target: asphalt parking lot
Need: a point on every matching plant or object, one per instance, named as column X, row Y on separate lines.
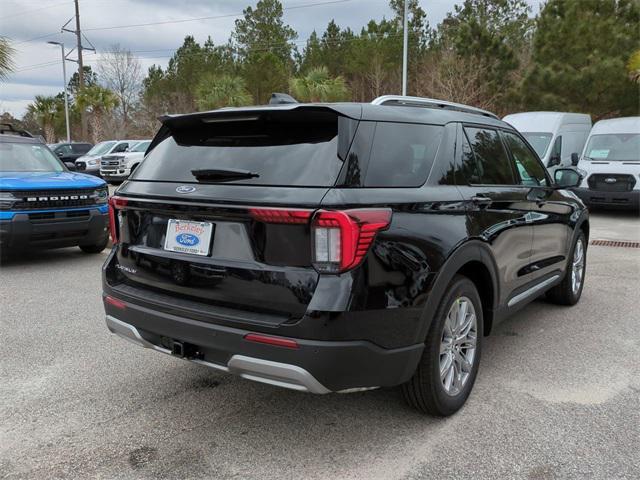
column 557, row 395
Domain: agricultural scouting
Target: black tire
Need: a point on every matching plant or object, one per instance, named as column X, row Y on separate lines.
column 425, row 390
column 96, row 248
column 564, row 293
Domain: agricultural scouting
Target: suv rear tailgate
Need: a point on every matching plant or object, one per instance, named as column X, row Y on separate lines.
column 253, row 265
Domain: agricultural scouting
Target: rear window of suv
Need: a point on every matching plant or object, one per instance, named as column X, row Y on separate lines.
column 281, row 148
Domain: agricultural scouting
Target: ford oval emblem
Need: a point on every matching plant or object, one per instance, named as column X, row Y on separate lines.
column 187, row 240
column 185, row 189
column 611, row 180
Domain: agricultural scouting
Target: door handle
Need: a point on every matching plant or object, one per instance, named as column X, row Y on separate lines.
column 481, row 201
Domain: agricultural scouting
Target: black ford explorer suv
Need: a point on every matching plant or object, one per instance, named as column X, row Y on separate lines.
column 340, row 247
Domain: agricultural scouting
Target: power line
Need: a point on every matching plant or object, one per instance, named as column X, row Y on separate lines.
column 257, row 48
column 211, row 17
column 32, row 10
column 184, row 20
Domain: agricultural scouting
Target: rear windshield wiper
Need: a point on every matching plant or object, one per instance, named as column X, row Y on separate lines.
column 222, row 175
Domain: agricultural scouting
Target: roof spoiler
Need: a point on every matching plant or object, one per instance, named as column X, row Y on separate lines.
column 8, row 128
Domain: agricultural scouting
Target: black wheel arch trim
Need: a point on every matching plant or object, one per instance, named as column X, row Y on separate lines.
column 470, row 251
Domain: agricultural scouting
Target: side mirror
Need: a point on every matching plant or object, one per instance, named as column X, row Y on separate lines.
column 574, row 159
column 554, row 160
column 60, row 153
column 567, row 177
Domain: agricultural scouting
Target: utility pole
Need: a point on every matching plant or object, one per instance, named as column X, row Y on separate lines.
column 78, row 33
column 405, row 46
column 83, row 116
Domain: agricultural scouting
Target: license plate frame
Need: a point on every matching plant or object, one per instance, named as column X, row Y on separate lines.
column 189, row 237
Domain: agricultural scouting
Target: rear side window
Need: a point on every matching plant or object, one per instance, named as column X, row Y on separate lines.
column 402, row 154
column 64, row 149
column 81, row 148
column 122, row 147
column 281, row 149
column 484, row 159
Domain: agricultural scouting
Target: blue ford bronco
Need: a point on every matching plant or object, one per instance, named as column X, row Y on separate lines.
column 42, row 203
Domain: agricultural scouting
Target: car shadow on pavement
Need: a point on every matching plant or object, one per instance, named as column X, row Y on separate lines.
column 48, row 257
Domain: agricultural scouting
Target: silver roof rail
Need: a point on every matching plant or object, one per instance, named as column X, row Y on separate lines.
column 406, row 101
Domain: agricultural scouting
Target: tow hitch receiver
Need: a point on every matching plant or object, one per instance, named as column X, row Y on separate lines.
column 185, row 350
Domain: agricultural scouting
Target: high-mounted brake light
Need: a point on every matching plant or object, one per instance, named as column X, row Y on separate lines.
column 342, row 238
column 115, row 203
column 280, row 215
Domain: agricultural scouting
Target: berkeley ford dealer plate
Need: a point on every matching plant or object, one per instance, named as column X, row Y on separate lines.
column 188, row 237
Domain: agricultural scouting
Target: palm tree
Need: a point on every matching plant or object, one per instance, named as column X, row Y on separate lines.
column 45, row 109
column 318, row 86
column 216, row 91
column 99, row 101
column 6, row 60
column 633, row 66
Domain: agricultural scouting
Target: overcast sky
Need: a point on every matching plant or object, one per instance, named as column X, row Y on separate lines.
column 38, row 65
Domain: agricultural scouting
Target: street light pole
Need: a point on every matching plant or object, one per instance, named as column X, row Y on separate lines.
column 64, row 84
column 405, row 47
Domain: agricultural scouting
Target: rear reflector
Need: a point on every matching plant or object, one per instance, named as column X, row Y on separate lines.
column 280, row 215
column 114, row 302
column 341, row 239
column 275, row 341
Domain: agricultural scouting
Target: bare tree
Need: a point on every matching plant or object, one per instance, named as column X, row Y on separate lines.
column 448, row 76
column 121, row 72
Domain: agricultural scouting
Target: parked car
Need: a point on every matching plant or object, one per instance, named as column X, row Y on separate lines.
column 70, row 152
column 117, row 167
column 42, row 203
column 555, row 136
column 340, row 247
column 610, row 165
column 90, row 163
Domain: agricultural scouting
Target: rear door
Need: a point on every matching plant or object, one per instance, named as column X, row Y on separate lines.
column 498, row 210
column 240, row 241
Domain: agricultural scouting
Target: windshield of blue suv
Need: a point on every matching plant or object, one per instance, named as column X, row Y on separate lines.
column 28, row 157
column 613, row 147
column 101, row 148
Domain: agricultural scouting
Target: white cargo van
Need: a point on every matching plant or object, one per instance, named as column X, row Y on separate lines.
column 553, row 135
column 610, row 164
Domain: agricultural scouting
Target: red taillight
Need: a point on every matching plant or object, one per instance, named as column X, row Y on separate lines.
column 342, row 238
column 114, row 302
column 115, row 203
column 269, row 340
column 280, row 215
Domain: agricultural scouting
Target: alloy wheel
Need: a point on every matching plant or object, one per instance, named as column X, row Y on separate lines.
column 577, row 270
column 458, row 346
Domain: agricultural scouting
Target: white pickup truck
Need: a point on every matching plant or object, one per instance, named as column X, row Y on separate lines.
column 117, row 167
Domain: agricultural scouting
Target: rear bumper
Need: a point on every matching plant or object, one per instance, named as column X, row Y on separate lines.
column 622, row 200
column 265, row 371
column 53, row 229
column 315, row 366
